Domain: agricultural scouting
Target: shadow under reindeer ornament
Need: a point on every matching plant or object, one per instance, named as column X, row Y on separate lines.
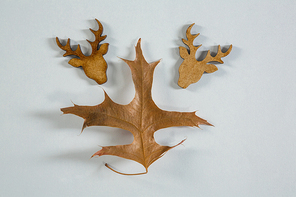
column 142, row 117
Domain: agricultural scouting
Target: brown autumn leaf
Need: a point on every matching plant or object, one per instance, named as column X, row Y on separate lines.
column 94, row 65
column 191, row 69
column 141, row 117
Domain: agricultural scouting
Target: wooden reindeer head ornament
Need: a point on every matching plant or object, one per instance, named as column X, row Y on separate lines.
column 191, row 69
column 94, row 65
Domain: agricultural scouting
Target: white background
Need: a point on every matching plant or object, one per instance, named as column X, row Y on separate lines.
column 251, row 150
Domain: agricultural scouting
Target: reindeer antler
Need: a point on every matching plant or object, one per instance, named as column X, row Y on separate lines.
column 94, row 65
column 68, row 49
column 218, row 56
column 190, row 39
column 98, row 37
column 191, row 69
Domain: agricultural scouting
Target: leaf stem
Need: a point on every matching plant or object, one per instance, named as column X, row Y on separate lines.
column 125, row 173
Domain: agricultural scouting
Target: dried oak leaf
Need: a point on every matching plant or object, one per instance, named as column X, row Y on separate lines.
column 141, row 117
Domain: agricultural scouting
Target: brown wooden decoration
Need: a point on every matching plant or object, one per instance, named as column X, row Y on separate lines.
column 94, row 65
column 191, row 69
column 141, row 117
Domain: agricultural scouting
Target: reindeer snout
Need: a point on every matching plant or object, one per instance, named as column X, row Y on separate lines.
column 189, row 75
column 183, row 84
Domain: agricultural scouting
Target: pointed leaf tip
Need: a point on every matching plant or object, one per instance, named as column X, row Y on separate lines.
column 138, row 43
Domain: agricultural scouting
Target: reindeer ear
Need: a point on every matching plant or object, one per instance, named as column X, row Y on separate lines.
column 75, row 62
column 210, row 68
column 104, row 48
column 183, row 52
